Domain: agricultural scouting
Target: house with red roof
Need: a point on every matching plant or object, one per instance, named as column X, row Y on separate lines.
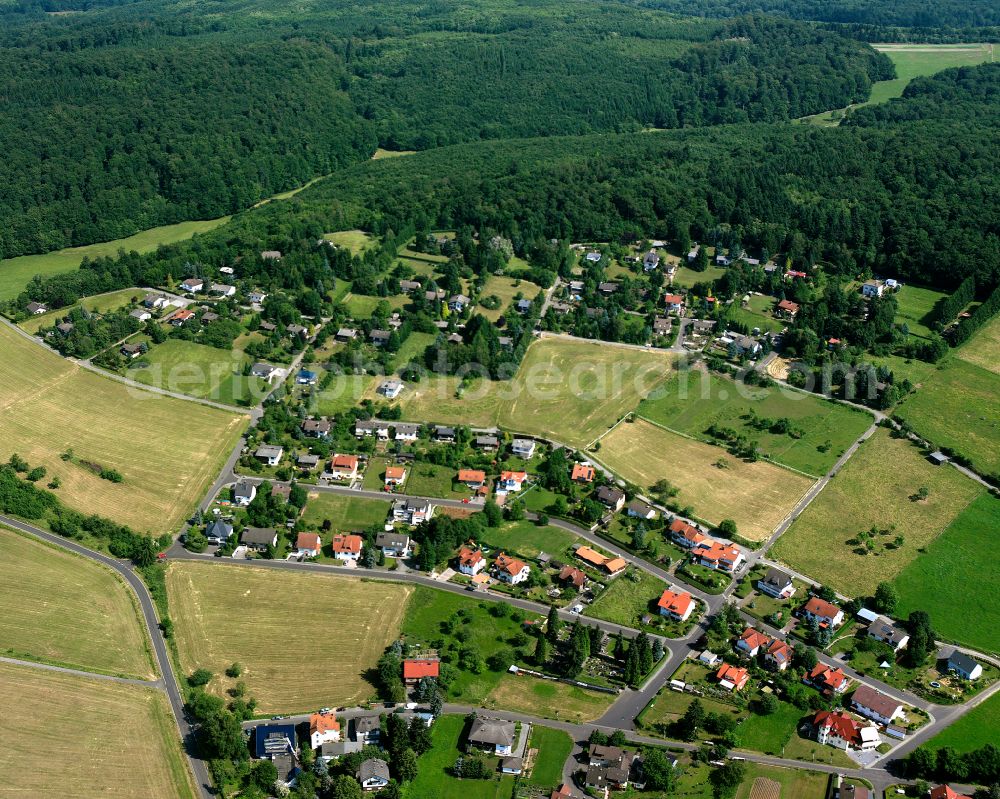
column 676, row 606
column 181, row 317
column 582, row 473
column 827, row 679
column 751, row 642
column 570, row 575
column 308, row 545
column 732, row 678
column 778, row 655
column 716, row 555
column 788, row 309
column 510, row 570
column 347, row 547
column 837, row 728
column 825, row 614
column 323, row 728
column 684, row 534
column 473, row 478
column 945, row 792
column 342, row 467
column 394, row 476
column 511, row 481
column 471, row 561
column 674, row 303
column 415, row 670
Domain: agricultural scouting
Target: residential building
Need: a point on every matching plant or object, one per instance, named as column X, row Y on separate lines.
column 394, row 476
column 684, row 534
column 271, row 255
column 732, row 678
column 609, row 767
column 393, row 545
column 964, row 666
column 264, row 371
column 788, row 309
column 306, row 377
column 316, row 428
column 371, row 427
column 838, row 729
column 676, row 605
column 259, row 538
column 582, row 473
column 414, row 670
column 607, row 288
column 223, row 289
column 593, row 257
column 347, row 547
column 510, row 570
column 523, row 448
column 674, row 303
column 131, row 351
column 244, row 492
column 612, row 565
column 256, row 296
column 218, row 531
column 406, row 432
column 373, row 774
column 337, row 749
column 492, row 735
column 945, row 792
column 473, row 478
column 824, row 613
column 192, row 285
column 412, row 511
column 486, row 443
column 872, row 288
column 523, row 306
column 511, row 481
column 274, row 740
column 306, row 461
column 139, row 313
column 379, row 338
column 457, row 303
column 155, row 301
column 693, row 252
column 208, row 317
column 444, row 434
column 752, row 641
column 776, row 583
column 827, row 679
column 342, row 467
column 570, row 575
column 323, row 728
column 638, row 509
column 662, row 326
column 269, row 454
column 876, row 705
column 651, row 261
column 308, row 545
column 181, row 317
column 390, row 389
column 778, row 655
column 613, row 498
column 511, row 765
column 346, row 334
column 367, row 729
column 882, row 629
column 716, row 555
column 470, row 561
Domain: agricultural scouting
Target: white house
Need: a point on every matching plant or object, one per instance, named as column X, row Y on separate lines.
column 511, row 481
column 875, row 705
column 391, row 389
column 882, row 629
column 347, row 547
column 510, row 570
column 412, row 511
column 223, row 289
column 373, row 774
column 342, row 467
column 676, row 606
column 470, row 561
column 308, row 545
column 393, row 545
column 964, row 666
column 523, row 448
column 776, row 583
column 323, row 728
column 141, row 314
column 407, row 432
column 193, row 285
column 872, row 288
column 823, row 613
column 270, row 454
column 244, row 492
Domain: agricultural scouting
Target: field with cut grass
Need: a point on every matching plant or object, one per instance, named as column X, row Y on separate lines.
column 913, row 303
column 505, row 289
column 528, row 539
column 626, row 601
column 57, row 607
column 100, row 303
column 936, row 581
column 757, row 496
column 344, row 392
column 958, row 406
column 978, row 727
column 269, row 621
column 344, row 513
column 685, row 278
column 693, row 401
column 983, row 349
column 877, row 487
column 357, row 241
column 16, row 273
column 412, row 349
column 432, row 480
column 120, row 741
column 362, row 306
column 553, row 748
column 758, row 313
column 168, row 451
column 551, row 700
column 795, row 783
column 571, row 391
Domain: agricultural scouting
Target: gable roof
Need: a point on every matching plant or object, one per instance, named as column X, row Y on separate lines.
column 469, row 557
column 678, row 603
column 840, row 723
column 418, row 669
column 777, row 579
column 309, row 541
column 573, row 575
column 506, row 563
column 258, row 535
column 883, row 704
column 820, row 607
column 754, row 639
column 345, row 462
column 471, row 476
column 346, row 544
column 779, row 651
column 686, row 531
column 373, row 769
column 963, row 661
column 826, row 676
column 582, row 471
column 323, row 722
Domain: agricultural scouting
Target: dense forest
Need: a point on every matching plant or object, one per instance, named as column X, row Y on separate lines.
column 124, row 118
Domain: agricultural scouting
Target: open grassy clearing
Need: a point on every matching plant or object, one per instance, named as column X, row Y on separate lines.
column 344, row 513
column 757, row 313
column 958, row 406
column 978, row 727
column 528, row 539
column 344, row 392
column 362, row 306
column 168, row 450
column 357, row 241
column 381, row 153
column 626, row 601
column 694, row 400
column 685, row 278
column 121, row 740
column 267, row 620
column 983, row 349
column 913, row 303
column 431, row 480
column 548, row 699
column 505, row 289
column 413, row 349
column 936, row 581
column 875, row 489
column 16, row 273
column 60, row 608
column 757, row 496
column 553, row 748
column 795, row 783
column 100, row 303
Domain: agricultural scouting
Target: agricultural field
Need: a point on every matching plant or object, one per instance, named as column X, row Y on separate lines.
column 794, row 783
column 983, row 349
column 695, row 400
column 126, row 745
column 571, row 391
column 933, row 581
column 505, row 289
column 958, row 406
column 100, row 303
column 626, row 600
column 548, row 699
column 357, row 241
column 344, row 513
column 168, row 451
column 877, row 488
column 553, row 748
column 60, row 608
column 528, row 539
column 975, row 729
column 16, row 273
column 913, row 304
column 224, row 615
column 757, row 496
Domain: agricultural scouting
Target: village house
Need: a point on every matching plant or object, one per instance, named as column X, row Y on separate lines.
column 139, row 313
column 308, row 545
column 776, row 583
column 608, row 767
column 470, row 561
column 412, row 511
column 511, row 481
column 882, row 629
column 316, row 428
column 342, row 467
column 181, row 317
column 662, row 326
column 415, row 670
column 473, row 478
column 223, row 289
column 684, row 534
column 346, row 334
column 155, row 301
column 693, row 252
column 702, row 327
column 323, row 728
column 491, row 735
column 825, row 614
column 570, row 575
column 945, row 792
column 651, row 261
column 510, row 570
column 393, row 545
column 964, row 666
column 367, row 729
column 751, row 642
column 379, row 338
column 457, row 303
column 593, row 257
column 732, row 678
column 788, row 309
column 373, row 774
column 740, row 345
column 637, row 509
column 445, row 435
column 306, row 377
column 523, row 448
column 132, row 351
column 778, row 655
column 208, row 317
column 269, row 454
column 264, row 371
column 259, row 538
column 406, row 286
column 406, row 432
column 244, row 492
column 716, row 555
column 607, row 288
column 674, row 303
column 676, row 605
column 347, row 547
column 876, row 705
column 872, row 288
column 394, row 476
column 256, row 296
column 192, row 285
column 582, row 473
column 613, row 498
column 65, row 328
column 486, row 443
column 827, row 679
column 838, row 729
column 371, row 427
column 611, row 565
column 306, row 461
column 218, row 531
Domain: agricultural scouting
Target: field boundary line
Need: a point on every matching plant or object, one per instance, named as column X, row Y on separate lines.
column 91, row 675
column 609, row 430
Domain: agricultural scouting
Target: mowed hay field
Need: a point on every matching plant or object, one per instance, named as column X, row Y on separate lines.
column 168, row 450
column 983, row 349
column 875, row 488
column 69, row 737
column 757, row 496
column 60, row 608
column 273, row 622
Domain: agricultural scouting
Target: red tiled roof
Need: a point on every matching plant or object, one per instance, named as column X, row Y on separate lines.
column 678, row 603
column 687, row 531
column 469, row 557
column 788, row 305
column 945, row 792
column 673, row 299
column 734, row 674
column 754, row 638
column 471, row 476
column 574, row 575
column 347, row 543
column 394, row 472
column 519, row 477
column 417, row 669
column 582, row 471
column 323, row 722
column 780, row 651
column 506, row 563
column 840, row 723
column 820, row 607
column 829, row 678
column 308, row 541
column 344, row 462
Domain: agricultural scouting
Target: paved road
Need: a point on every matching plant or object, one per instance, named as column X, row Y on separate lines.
column 88, row 674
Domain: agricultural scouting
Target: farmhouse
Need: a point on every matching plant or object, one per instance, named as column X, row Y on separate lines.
column 347, row 547
column 470, row 561
column 676, row 606
column 945, row 792
column 308, row 545
column 582, row 473
column 373, row 774
column 412, row 511
column 492, row 735
column 394, row 476
column 778, row 655
column 155, row 301
column 269, row 454
column 732, row 678
column 259, row 538
column 684, row 534
column 716, row 555
column 827, row 679
column 875, row 705
column 523, row 448
column 610, row 497
column 824, row 613
column 752, row 641
column 776, row 583
column 323, row 728
column 510, row 570
column 882, row 629
column 244, row 492
column 638, row 509
column 964, row 666
column 473, row 478
column 393, row 545
column 316, row 428
column 611, row 565
column 342, row 467
column 415, row 670
column 390, row 389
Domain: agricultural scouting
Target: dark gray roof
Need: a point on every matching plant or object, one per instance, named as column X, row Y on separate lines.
column 367, row 723
column 392, row 540
column 258, row 535
column 610, row 496
column 373, row 768
column 492, row 731
column 243, row 488
column 219, row 529
column 962, row 661
column 777, row 579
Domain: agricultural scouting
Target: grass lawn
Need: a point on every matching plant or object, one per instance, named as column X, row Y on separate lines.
column 357, row 241
column 937, row 581
column 757, row 313
column 983, row 349
column 100, row 303
column 528, row 539
column 344, row 513
column 569, row 390
column 343, row 393
column 548, row 699
column 874, row 488
column 693, row 401
column 913, row 304
column 668, row 706
column 412, row 349
column 434, row 779
column 553, row 748
column 770, row 734
column 539, row 499
column 795, row 783
column 799, row 748
column 757, row 496
column 128, row 747
column 685, row 278
column 432, row 480
column 626, row 601
column 505, row 288
column 16, row 273
column 169, row 451
column 222, row 615
column 205, row 372
column 60, row 608
column 978, row 727
column 362, row 306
